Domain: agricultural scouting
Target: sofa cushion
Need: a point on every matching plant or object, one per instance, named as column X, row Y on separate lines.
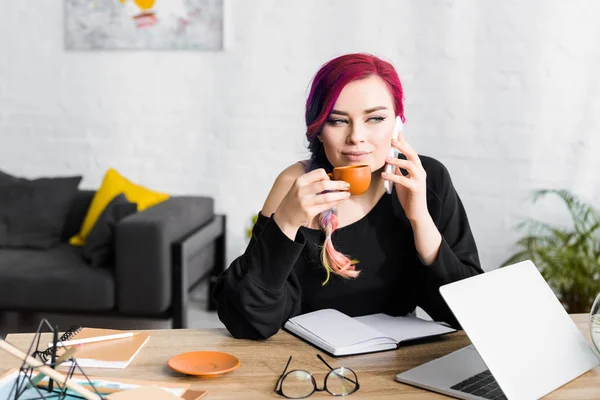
column 57, row 279
column 4, row 177
column 112, row 185
column 99, row 247
column 33, row 212
column 79, row 208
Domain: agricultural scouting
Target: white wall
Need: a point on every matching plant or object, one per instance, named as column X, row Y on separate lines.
column 506, row 94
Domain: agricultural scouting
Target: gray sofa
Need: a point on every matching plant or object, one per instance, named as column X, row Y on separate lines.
column 160, row 254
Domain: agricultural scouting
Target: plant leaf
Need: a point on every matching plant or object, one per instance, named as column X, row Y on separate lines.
column 568, row 258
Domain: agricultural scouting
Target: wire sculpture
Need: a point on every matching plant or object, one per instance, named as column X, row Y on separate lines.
column 38, row 364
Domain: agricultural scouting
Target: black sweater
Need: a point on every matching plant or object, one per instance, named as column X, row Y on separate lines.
column 277, row 278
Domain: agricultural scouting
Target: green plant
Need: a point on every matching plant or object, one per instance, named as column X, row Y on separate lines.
column 569, row 259
column 249, row 230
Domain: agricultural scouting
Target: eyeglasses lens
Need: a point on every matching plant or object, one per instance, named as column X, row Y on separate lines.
column 297, row 384
column 341, row 381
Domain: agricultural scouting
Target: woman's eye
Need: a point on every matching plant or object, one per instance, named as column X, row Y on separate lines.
column 376, row 119
column 335, row 121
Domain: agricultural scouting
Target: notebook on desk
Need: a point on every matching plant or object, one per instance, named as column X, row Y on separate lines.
column 340, row 335
column 98, row 352
column 81, row 335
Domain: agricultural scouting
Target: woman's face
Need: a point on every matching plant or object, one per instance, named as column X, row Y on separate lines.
column 359, row 128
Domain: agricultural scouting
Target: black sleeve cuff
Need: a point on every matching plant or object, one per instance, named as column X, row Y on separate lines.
column 448, row 267
column 274, row 256
column 438, row 269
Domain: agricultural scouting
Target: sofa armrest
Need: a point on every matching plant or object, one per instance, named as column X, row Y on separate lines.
column 143, row 252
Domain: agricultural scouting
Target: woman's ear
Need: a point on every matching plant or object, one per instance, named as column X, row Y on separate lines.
column 320, row 138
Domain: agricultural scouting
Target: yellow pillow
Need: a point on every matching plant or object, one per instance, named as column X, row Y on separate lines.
column 112, row 185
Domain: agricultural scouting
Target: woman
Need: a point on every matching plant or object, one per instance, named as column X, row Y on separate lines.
column 315, row 247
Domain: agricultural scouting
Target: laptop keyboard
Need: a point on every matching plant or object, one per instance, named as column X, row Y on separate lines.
column 482, row 385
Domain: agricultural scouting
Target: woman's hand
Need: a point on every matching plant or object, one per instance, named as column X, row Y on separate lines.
column 412, row 193
column 311, row 194
column 411, row 189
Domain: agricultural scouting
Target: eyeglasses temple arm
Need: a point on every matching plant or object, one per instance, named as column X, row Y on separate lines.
column 329, row 366
column 277, row 385
column 324, row 362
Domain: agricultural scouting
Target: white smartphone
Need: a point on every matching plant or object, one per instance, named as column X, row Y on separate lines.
column 393, row 153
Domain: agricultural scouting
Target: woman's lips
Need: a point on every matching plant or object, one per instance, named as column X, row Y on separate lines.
column 356, row 155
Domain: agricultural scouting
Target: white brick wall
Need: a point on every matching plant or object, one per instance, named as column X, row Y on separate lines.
column 506, row 94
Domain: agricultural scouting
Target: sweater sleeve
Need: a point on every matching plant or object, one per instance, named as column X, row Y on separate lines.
column 457, row 257
column 259, row 291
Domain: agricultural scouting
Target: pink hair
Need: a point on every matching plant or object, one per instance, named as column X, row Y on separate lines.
column 325, row 90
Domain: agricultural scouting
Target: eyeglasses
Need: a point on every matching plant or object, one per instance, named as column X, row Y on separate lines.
column 298, row 384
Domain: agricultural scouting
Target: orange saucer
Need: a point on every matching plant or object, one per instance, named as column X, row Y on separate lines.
column 204, row 363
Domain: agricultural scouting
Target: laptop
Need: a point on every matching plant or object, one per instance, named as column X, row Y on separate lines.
column 524, row 344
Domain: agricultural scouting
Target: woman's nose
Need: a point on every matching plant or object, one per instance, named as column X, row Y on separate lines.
column 357, row 134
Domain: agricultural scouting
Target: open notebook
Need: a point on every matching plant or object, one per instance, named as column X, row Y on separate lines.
column 341, row 335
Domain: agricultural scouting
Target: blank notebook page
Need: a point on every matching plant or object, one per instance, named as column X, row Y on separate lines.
column 404, row 328
column 336, row 328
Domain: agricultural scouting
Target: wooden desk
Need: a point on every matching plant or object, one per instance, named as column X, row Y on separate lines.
column 263, row 362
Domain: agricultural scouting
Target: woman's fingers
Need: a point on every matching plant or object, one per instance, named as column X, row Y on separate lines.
column 321, row 186
column 410, row 153
column 330, row 197
column 324, row 201
column 326, row 205
column 408, row 183
column 316, row 175
column 408, row 165
column 315, row 192
column 317, row 181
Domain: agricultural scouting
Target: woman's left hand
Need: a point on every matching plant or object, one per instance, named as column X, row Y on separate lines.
column 411, row 189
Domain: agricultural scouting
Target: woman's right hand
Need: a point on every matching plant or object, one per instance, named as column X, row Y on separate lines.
column 306, row 199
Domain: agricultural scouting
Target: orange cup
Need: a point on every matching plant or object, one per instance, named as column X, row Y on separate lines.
column 358, row 176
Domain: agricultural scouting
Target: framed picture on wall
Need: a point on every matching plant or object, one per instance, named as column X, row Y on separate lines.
column 144, row 24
